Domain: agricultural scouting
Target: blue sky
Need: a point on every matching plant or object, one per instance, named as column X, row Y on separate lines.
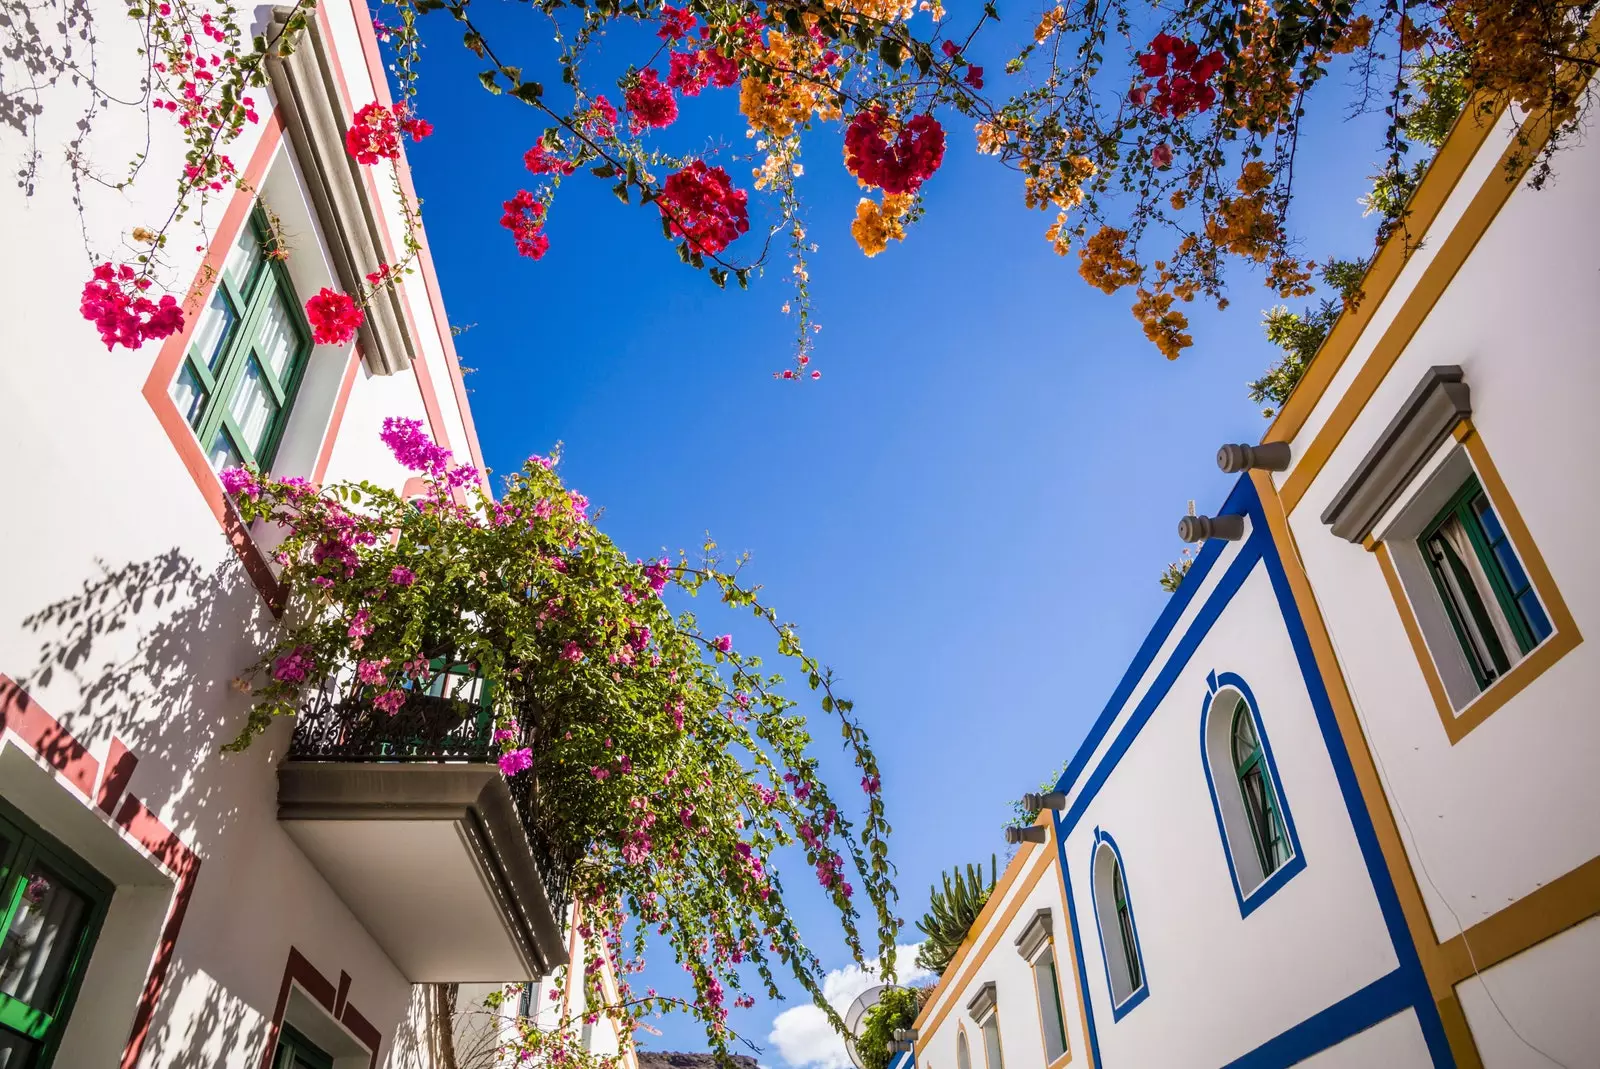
column 966, row 516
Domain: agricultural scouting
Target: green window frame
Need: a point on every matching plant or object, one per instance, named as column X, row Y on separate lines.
column 1483, row 620
column 52, row 906
column 247, row 355
column 295, row 1051
column 1259, row 793
column 1130, row 950
column 1047, row 986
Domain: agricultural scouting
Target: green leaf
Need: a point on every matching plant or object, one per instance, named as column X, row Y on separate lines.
column 487, row 78
column 621, row 191
column 889, row 51
column 743, row 275
column 528, row 92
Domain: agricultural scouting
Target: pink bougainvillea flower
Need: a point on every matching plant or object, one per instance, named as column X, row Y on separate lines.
column 334, row 317
column 113, row 300
column 723, row 643
column 541, row 160
column 898, row 166
column 371, row 672
column 524, row 217
column 516, row 761
column 374, row 135
column 390, row 701
column 295, row 666
column 974, row 76
column 650, row 102
column 602, row 119
column 1161, row 155
column 701, row 205
column 239, row 481
column 675, row 23
column 571, row 652
column 402, row 576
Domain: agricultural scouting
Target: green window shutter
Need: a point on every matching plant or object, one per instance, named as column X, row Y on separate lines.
column 51, row 908
column 246, row 358
column 1130, row 949
column 1258, row 791
column 295, row 1051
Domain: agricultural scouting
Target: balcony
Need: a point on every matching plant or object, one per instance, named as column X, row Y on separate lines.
column 438, row 855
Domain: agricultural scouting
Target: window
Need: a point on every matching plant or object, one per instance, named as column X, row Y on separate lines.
column 1036, row 944
column 295, row 1051
column 1257, row 791
column 51, row 907
column 991, row 1042
column 246, row 356
column 963, row 1053
column 1119, row 934
column 1490, row 602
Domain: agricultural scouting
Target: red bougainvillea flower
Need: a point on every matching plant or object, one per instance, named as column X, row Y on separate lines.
column 687, row 73
column 898, row 167
column 974, row 77
column 602, row 118
column 722, row 71
column 375, row 133
column 1161, row 155
column 701, row 206
column 1181, row 83
column 334, row 317
column 675, row 23
column 541, row 160
column 650, row 102
column 114, row 301
column 524, row 217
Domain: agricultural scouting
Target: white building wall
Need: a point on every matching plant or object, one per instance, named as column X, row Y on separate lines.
column 1509, row 806
column 124, row 612
column 1317, row 939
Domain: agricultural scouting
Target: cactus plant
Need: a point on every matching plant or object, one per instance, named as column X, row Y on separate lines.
column 951, row 913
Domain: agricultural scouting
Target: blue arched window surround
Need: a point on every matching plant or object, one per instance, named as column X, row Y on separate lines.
column 1127, row 983
column 1251, row 886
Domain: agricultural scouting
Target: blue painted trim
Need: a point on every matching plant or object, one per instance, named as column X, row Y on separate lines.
column 903, row 1060
column 1376, row 1002
column 1248, row 903
column 1405, row 987
column 1119, row 1010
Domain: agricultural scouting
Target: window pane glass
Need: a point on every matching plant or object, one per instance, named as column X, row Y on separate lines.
column 1473, row 601
column 16, row 1052
column 1244, row 734
column 188, row 395
column 211, row 330
column 243, row 257
column 991, row 1042
column 1044, row 982
column 278, row 340
column 1533, row 612
column 222, row 452
column 963, row 1053
column 42, row 940
column 253, row 407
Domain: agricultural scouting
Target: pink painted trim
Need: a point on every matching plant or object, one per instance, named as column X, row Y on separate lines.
column 299, row 970
column 120, row 763
column 156, row 386
column 23, row 717
column 325, row 453
column 430, row 276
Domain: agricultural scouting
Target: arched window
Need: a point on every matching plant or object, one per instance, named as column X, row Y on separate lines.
column 1119, row 933
column 1258, row 792
column 963, row 1054
column 1257, row 830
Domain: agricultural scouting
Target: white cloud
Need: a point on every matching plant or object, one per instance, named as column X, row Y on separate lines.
column 802, row 1035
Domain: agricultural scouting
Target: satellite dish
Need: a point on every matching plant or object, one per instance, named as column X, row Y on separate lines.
column 856, row 1015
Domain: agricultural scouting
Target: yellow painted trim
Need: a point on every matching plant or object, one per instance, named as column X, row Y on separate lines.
column 1461, row 147
column 1560, row 904
column 1563, row 641
column 960, row 966
column 1471, row 130
column 1387, row 830
column 1458, row 1033
column 1077, row 979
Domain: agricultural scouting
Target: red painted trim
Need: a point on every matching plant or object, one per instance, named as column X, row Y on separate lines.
column 120, row 763
column 23, row 716
column 20, row 714
column 299, row 970
column 157, row 385
column 325, row 454
column 430, row 276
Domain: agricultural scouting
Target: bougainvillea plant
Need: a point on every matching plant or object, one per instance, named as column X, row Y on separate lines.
column 670, row 766
column 1163, row 139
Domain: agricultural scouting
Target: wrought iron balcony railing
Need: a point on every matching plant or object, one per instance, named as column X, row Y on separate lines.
column 337, row 724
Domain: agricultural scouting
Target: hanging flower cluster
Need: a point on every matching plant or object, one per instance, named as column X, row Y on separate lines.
column 650, row 102
column 701, row 205
column 375, row 132
column 1182, row 76
column 894, row 160
column 114, row 301
column 523, row 215
column 670, row 768
column 334, row 317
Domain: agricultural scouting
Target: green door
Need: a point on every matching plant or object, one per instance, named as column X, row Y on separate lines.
column 295, row 1051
